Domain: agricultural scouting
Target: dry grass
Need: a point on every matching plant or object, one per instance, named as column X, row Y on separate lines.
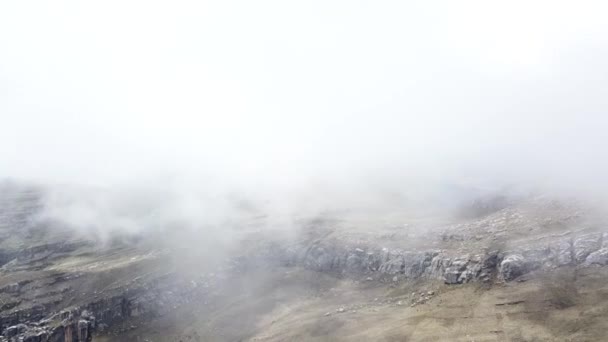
column 559, row 288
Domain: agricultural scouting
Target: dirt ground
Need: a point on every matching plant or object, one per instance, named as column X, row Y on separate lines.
column 293, row 304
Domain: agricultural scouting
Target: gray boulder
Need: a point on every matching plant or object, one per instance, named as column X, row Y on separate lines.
column 394, row 265
column 453, row 272
column 414, row 264
column 355, row 263
column 599, row 257
column 513, row 266
column 585, row 245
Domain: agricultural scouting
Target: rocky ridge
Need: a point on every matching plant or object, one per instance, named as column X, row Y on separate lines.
column 490, row 265
column 41, row 298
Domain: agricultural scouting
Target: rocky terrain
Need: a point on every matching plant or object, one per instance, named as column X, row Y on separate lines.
column 502, row 264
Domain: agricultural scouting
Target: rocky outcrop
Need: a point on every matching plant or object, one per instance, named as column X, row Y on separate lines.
column 398, row 265
column 453, row 273
column 395, row 265
column 67, row 326
column 599, row 256
column 51, row 315
column 79, row 324
column 513, row 266
column 561, row 252
column 585, row 245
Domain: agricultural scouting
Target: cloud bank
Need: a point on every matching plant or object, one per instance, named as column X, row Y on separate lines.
column 273, row 98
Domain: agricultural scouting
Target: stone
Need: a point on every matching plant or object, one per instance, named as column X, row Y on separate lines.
column 36, row 337
column 438, row 267
column 15, row 330
column 599, row 257
column 585, row 245
column 11, row 331
column 83, row 330
column 395, row 265
column 453, row 272
column 512, row 266
column 415, row 264
column 451, row 276
column 11, row 288
column 471, row 271
column 562, row 252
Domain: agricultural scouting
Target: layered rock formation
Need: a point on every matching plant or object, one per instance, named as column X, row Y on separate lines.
column 491, row 265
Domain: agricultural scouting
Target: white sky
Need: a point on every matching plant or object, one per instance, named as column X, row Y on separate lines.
column 282, row 92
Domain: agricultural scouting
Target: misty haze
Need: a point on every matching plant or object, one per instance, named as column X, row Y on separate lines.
column 335, row 170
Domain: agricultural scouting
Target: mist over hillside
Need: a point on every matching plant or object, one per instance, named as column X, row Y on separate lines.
column 275, row 97
column 315, row 171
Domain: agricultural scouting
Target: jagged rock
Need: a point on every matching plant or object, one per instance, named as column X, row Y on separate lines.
column 585, row 245
column 605, row 240
column 395, row 265
column 472, row 270
column 11, row 288
column 373, row 261
column 437, row 268
column 414, row 264
column 41, row 336
column 488, row 266
column 58, row 334
column 490, row 261
column 513, row 266
column 453, row 272
column 562, row 252
column 599, row 257
column 536, row 257
column 15, row 330
column 354, row 262
column 319, row 259
column 83, row 330
column 451, row 276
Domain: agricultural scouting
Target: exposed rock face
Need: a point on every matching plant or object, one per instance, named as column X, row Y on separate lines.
column 79, row 324
column 395, row 264
column 147, row 299
column 584, row 250
column 399, row 265
column 585, row 245
column 54, row 329
column 562, row 252
column 599, row 257
column 415, row 264
column 50, row 306
column 513, row 266
column 452, row 274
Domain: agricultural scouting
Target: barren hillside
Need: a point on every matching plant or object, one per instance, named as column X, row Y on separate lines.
column 528, row 269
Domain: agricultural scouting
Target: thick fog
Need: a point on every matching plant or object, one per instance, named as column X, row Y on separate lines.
column 302, row 103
